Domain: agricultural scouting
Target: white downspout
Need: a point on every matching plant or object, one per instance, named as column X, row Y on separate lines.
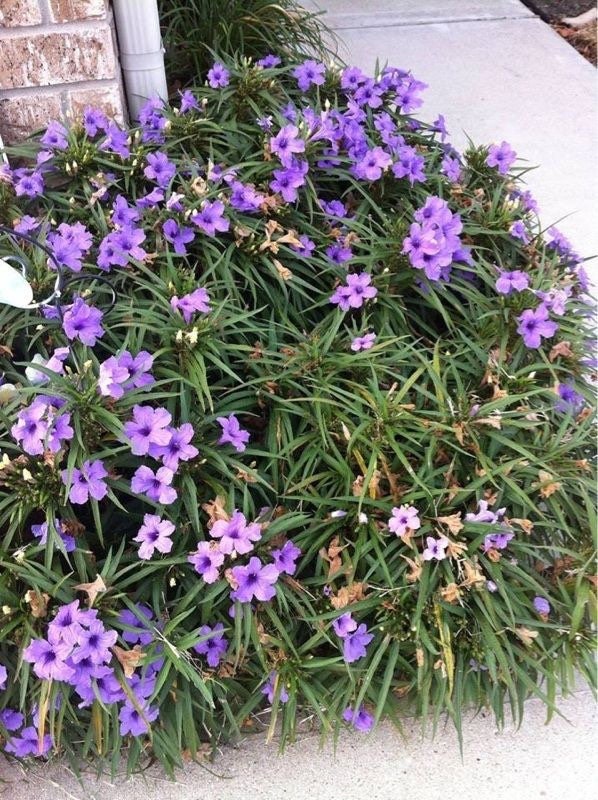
column 141, row 52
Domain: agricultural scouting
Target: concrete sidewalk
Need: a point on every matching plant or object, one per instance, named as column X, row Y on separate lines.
column 536, row 762
column 496, row 72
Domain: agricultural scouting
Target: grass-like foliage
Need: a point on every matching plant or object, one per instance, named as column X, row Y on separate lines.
column 329, row 451
column 195, row 29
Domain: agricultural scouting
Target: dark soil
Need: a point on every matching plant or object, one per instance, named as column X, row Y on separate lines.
column 553, row 10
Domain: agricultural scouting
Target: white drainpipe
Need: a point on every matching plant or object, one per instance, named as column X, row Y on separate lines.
column 141, row 52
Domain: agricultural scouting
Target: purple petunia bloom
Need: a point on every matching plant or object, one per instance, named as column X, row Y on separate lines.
column 355, row 644
column 55, row 136
column 245, row 198
column 156, row 485
column 534, row 325
column 404, row 519
column 286, row 144
column 111, row 378
column 515, row 281
column 214, row 645
column 364, row 342
column 435, row 548
column 94, row 120
column 210, row 218
column 188, row 102
column 355, row 293
column 268, row 61
column 148, row 427
column 11, row 719
column 270, row 687
column 41, row 532
column 154, row 534
column 236, row 534
column 542, row 606
column 232, row 433
column 310, row 73
column 255, row 580
column 352, row 78
column 360, row 719
column 372, row 164
column 206, row 560
column 94, row 643
column 497, row 541
column 27, row 743
column 484, row 515
column 48, row 659
column 30, row 185
column 409, row 164
column 134, row 721
column 451, row 167
column 116, row 141
column 288, row 180
column 3, row 677
column 218, row 76
column 138, row 366
column 344, row 625
column 83, row 322
column 569, row 400
column 501, row 156
column 178, row 447
column 159, row 169
column 305, row 248
column 519, row 231
column 31, row 428
column 285, row 557
column 140, row 622
column 89, row 481
column 196, row 301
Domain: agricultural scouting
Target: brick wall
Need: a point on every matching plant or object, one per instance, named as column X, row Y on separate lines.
column 56, row 57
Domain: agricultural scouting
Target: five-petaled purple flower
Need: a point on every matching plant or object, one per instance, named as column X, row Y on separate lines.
column 149, row 426
column 435, row 548
column 236, row 534
column 154, row 534
column 286, row 144
column 155, row 485
column 357, row 290
column 83, row 322
column 534, row 325
column 218, row 76
column 189, row 304
column 159, row 169
column 360, row 719
column 515, row 281
column 206, row 560
column 270, row 687
column 89, row 481
column 256, row 580
column 355, row 644
column 501, row 156
column 233, row 433
column 210, row 218
column 404, row 519
column 214, row 644
column 310, row 73
column 285, row 557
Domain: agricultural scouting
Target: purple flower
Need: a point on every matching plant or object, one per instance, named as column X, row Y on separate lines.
column 232, row 433
column 268, row 61
column 287, row 181
column 188, row 102
column 542, row 606
column 138, row 367
column 409, row 164
column 286, row 144
column 515, row 281
column 270, row 687
column 245, row 198
column 368, row 94
column 206, row 560
column 178, row 447
column 236, row 534
column 484, row 515
column 569, row 399
column 134, row 721
column 355, row 293
column 27, row 744
column 338, row 253
column 218, row 76
column 55, row 364
column 435, row 548
column 83, row 322
column 189, row 304
column 87, row 482
column 159, row 169
column 372, row 164
column 156, row 485
column 284, row 558
column 55, row 136
column 26, row 224
column 149, row 426
column 404, row 519
column 498, row 541
column 344, row 625
column 555, row 300
column 30, row 185
column 116, row 141
column 364, row 342
column 352, row 78
column 210, row 218
column 214, row 645
column 305, row 248
column 3, row 677
column 68, row 623
column 12, row 720
column 154, row 534
column 310, row 73
column 31, row 428
column 534, row 325
column 141, row 635
column 48, row 659
column 111, row 378
column 360, row 719
column 41, row 532
column 94, row 120
column 451, row 167
column 519, row 231
column 94, row 643
column 254, row 581
column 355, row 644
column 501, row 156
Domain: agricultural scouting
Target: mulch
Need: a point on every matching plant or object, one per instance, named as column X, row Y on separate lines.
column 584, row 39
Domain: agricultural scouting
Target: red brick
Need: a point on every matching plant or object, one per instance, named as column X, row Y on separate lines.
column 69, row 10
column 16, row 13
column 107, row 98
column 21, row 115
column 54, row 58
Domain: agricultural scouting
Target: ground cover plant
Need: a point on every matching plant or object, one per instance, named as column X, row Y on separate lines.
column 326, row 452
